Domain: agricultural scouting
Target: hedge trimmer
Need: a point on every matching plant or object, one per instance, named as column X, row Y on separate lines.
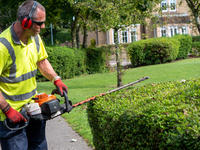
column 47, row 107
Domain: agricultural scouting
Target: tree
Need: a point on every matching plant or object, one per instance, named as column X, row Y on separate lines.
column 194, row 6
column 119, row 14
column 8, row 12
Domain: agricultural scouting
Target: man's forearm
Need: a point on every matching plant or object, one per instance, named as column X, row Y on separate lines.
column 46, row 69
column 3, row 103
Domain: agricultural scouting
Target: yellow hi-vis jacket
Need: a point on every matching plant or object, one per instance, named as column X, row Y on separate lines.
column 18, row 68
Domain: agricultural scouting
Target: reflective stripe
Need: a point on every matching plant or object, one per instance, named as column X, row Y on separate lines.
column 20, row 97
column 13, row 57
column 37, row 43
column 20, row 78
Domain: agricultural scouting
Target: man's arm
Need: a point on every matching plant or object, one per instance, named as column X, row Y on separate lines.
column 47, row 71
column 10, row 113
column 3, row 103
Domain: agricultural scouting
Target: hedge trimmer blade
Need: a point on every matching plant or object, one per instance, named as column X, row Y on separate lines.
column 111, row 91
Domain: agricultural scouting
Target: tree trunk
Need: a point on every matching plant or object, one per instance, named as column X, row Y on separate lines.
column 117, row 55
column 84, row 36
column 72, row 34
column 195, row 12
column 77, row 37
column 197, row 22
column 97, row 36
column 73, row 29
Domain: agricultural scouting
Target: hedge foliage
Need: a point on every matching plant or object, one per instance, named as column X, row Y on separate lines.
column 96, row 59
column 66, row 62
column 153, row 51
column 155, row 116
column 195, row 38
column 136, row 53
column 185, row 45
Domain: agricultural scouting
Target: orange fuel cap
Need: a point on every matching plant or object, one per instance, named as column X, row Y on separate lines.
column 43, row 97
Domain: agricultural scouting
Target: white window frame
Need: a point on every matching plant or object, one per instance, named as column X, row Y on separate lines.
column 113, row 32
column 172, row 30
column 165, row 3
column 170, row 3
column 185, row 29
column 161, row 31
column 124, row 36
column 133, row 30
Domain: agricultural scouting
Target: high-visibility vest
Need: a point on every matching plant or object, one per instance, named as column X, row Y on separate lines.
column 18, row 68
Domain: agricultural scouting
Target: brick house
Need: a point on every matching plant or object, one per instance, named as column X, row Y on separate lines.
column 174, row 19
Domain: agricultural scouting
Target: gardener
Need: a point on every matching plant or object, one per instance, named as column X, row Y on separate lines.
column 21, row 53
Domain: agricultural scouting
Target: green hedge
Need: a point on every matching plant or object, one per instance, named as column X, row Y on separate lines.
column 161, row 50
column 195, row 49
column 196, row 45
column 155, row 116
column 66, row 62
column 153, row 51
column 136, row 53
column 196, row 39
column 185, row 45
column 96, row 59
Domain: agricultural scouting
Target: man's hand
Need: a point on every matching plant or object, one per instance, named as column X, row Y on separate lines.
column 60, row 86
column 14, row 115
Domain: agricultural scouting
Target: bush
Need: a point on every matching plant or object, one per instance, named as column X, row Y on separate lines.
column 136, row 53
column 96, row 60
column 66, row 62
column 195, row 49
column 160, row 50
column 153, row 51
column 155, row 116
column 196, row 39
column 185, row 45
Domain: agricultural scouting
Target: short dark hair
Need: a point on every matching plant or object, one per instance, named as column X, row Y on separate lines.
column 25, row 8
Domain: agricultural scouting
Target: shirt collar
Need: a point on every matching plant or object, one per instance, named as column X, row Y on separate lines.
column 14, row 35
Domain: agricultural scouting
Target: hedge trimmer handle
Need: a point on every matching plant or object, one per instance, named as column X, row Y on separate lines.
column 68, row 103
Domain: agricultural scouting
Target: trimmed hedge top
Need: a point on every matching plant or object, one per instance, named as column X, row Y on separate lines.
column 153, row 51
column 155, row 116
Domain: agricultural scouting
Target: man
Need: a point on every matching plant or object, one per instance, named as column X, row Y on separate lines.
column 21, row 53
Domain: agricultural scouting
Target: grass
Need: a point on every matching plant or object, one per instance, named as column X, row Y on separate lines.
column 83, row 87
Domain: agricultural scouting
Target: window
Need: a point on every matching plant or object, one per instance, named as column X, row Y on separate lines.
column 114, row 40
column 124, row 37
column 163, row 32
column 173, row 31
column 133, row 35
column 172, row 5
column 184, row 30
column 164, row 5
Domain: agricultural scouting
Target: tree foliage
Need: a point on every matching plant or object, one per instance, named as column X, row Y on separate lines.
column 117, row 14
column 8, row 11
column 194, row 6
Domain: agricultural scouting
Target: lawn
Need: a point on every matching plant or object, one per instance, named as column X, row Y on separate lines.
column 83, row 87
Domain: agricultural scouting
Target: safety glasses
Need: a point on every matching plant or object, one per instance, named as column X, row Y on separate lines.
column 38, row 22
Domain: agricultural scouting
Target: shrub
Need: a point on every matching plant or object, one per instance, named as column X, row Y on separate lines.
column 155, row 116
column 185, row 45
column 195, row 49
column 153, row 51
column 96, row 60
column 136, row 53
column 161, row 50
column 66, row 62
column 196, row 39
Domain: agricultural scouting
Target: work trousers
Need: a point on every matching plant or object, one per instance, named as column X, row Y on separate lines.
column 30, row 138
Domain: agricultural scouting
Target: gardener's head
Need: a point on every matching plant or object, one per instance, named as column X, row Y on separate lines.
column 32, row 16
